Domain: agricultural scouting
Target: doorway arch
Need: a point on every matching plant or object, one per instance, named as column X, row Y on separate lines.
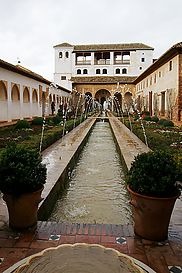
column 102, row 95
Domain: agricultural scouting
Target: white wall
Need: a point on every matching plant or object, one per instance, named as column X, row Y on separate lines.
column 166, row 80
column 11, row 110
column 66, row 66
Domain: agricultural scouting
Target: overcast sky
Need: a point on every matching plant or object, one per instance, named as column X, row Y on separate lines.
column 30, row 28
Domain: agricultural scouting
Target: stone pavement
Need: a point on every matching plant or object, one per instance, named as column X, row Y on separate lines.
column 162, row 257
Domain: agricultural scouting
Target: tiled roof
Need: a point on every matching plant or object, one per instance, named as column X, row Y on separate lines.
column 64, row 45
column 28, row 73
column 23, row 71
column 169, row 54
column 103, row 79
column 95, row 47
column 178, row 45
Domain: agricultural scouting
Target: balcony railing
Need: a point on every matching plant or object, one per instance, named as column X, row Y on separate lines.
column 102, row 61
column 83, row 62
column 121, row 61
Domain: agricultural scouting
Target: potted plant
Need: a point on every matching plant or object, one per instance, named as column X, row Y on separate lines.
column 151, row 182
column 22, row 178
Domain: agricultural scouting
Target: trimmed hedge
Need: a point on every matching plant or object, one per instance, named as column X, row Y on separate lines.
column 22, row 124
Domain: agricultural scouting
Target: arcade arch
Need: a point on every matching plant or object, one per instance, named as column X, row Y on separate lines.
column 34, row 96
column 26, row 103
column 15, row 94
column 3, row 92
column 88, row 94
column 15, row 106
column 102, row 95
column 26, row 95
column 3, row 102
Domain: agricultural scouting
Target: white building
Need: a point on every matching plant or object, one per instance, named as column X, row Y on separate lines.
column 25, row 94
column 100, row 60
column 159, row 87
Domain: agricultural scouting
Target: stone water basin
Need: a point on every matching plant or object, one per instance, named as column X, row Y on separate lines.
column 79, row 258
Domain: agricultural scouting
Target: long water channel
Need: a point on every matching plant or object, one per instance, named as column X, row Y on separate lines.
column 96, row 191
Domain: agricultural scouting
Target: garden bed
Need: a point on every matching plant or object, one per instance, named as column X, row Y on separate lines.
column 31, row 136
column 168, row 139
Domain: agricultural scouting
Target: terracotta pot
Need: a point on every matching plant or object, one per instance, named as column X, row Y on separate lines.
column 23, row 209
column 151, row 215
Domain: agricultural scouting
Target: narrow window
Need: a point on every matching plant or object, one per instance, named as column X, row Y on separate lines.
column 117, row 71
column 159, row 74
column 170, row 65
column 60, row 54
column 104, row 71
column 78, row 71
column 124, row 71
column 85, row 71
column 67, row 54
column 140, row 67
column 142, row 60
column 97, row 71
column 163, row 103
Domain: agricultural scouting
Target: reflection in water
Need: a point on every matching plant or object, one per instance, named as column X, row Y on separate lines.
column 96, row 192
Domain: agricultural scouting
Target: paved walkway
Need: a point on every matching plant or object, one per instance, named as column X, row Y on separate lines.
column 15, row 246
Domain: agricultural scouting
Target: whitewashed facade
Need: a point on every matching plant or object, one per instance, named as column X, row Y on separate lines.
column 24, row 94
column 100, row 60
column 159, row 88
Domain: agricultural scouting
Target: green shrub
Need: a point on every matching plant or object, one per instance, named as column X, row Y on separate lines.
column 161, row 121
column 49, row 121
column 21, row 170
column 147, row 118
column 145, row 113
column 56, row 120
column 168, row 123
column 153, row 174
column 21, row 124
column 154, row 118
column 37, row 121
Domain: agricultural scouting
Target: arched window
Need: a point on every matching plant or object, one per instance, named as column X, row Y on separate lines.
column 60, row 54
column 97, row 71
column 67, row 54
column 124, row 71
column 104, row 71
column 3, row 92
column 34, row 96
column 78, row 71
column 117, row 71
column 26, row 96
column 85, row 71
column 15, row 94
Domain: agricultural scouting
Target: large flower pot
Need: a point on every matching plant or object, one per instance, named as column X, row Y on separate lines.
column 151, row 215
column 23, row 209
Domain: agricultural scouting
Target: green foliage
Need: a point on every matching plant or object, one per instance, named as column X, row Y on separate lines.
column 161, row 121
column 22, row 124
column 147, row 118
column 154, row 174
column 50, row 138
column 37, row 121
column 155, row 119
column 166, row 123
column 56, row 119
column 21, row 170
column 145, row 113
